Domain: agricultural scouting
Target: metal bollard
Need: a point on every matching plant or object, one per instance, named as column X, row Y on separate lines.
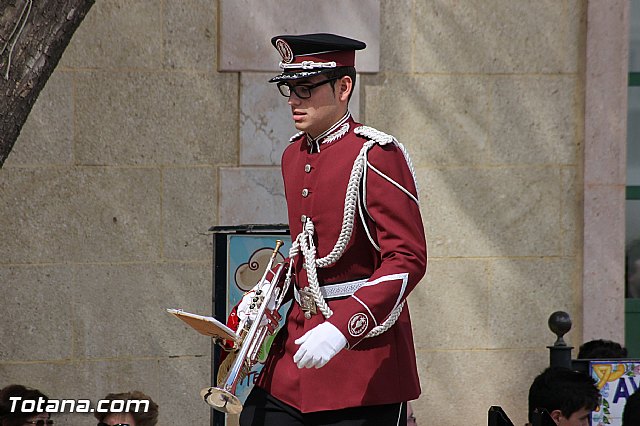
column 560, row 353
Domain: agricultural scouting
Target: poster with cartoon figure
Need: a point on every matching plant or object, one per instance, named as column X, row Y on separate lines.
column 616, row 380
column 248, row 256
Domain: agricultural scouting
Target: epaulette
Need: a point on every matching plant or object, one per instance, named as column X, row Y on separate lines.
column 295, row 137
column 375, row 135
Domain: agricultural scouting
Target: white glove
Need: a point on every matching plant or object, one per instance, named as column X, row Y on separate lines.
column 319, row 345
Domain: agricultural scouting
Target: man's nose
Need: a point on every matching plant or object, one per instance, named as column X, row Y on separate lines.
column 293, row 99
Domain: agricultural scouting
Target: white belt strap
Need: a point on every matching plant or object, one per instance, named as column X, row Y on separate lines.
column 334, row 291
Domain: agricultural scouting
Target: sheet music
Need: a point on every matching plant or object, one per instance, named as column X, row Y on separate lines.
column 208, row 326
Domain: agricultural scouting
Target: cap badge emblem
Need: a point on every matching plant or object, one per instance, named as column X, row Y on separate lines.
column 285, row 51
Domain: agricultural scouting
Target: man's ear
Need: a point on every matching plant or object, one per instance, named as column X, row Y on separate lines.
column 345, row 87
column 555, row 415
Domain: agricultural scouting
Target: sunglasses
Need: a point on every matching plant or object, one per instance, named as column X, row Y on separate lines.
column 117, row 424
column 40, row 422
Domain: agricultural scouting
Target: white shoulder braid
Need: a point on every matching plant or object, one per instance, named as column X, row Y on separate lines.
column 295, row 137
column 382, row 138
column 375, row 135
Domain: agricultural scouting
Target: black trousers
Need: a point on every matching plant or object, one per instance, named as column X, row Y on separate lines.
column 262, row 409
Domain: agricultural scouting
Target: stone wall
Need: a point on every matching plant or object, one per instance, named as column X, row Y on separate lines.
column 487, row 98
column 138, row 145
column 105, row 202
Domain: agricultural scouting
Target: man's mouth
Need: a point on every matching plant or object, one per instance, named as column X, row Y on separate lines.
column 298, row 115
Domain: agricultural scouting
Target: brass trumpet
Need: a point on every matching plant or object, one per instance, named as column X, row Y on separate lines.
column 252, row 335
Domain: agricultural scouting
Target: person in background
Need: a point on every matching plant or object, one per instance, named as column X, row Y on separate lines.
column 129, row 418
column 602, row 349
column 9, row 417
column 568, row 396
column 631, row 413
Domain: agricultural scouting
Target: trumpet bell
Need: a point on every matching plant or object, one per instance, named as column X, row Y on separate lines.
column 221, row 400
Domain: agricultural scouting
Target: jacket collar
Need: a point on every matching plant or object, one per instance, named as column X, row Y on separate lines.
column 332, row 134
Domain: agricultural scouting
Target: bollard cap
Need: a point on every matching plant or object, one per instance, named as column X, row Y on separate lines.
column 560, row 324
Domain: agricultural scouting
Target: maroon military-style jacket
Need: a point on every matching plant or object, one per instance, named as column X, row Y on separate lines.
column 370, row 371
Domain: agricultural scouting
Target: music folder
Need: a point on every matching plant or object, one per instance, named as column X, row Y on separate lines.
column 208, row 326
column 497, row 417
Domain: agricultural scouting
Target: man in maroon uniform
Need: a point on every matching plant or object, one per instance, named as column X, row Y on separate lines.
column 345, row 355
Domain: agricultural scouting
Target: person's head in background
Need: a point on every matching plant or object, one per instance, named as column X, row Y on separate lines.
column 411, row 418
column 15, row 417
column 569, row 396
column 132, row 413
column 602, row 349
column 631, row 413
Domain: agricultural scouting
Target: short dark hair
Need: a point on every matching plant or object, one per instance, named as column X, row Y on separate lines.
column 17, row 418
column 631, row 413
column 342, row 72
column 603, row 349
column 558, row 388
column 150, row 418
